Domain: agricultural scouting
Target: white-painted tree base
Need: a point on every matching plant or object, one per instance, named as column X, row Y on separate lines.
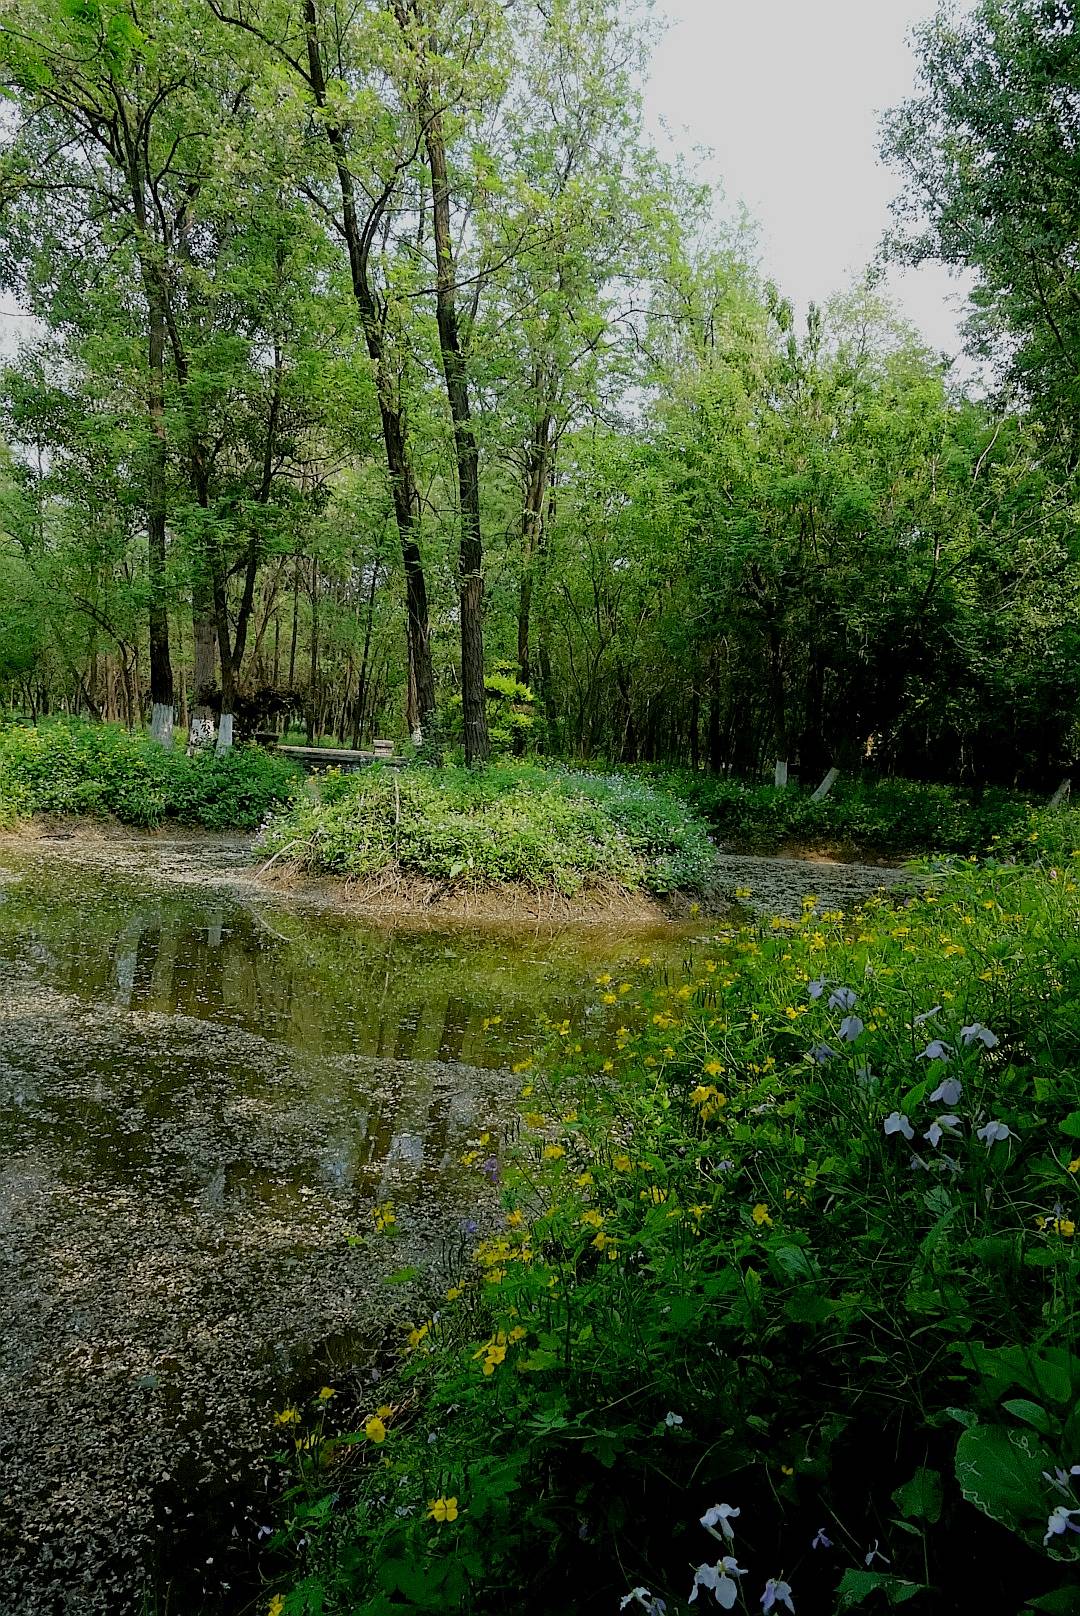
column 224, row 734
column 201, row 734
column 780, row 772
column 161, row 724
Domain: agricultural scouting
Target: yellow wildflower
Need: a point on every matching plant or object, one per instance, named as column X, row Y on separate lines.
column 553, row 1152
column 443, row 1509
column 374, row 1429
column 276, row 1606
column 621, row 1163
column 515, row 1219
column 288, row 1416
column 761, row 1217
column 592, row 1218
column 326, row 1393
column 1074, row 1165
column 516, row 1334
column 454, row 1292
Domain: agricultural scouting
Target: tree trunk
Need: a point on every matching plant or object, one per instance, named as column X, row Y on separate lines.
column 161, row 680
column 467, row 455
column 313, row 672
column 534, row 489
column 204, row 677
column 406, row 500
column 154, row 290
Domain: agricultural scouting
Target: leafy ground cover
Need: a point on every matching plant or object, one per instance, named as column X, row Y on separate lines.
column 889, row 816
column 70, row 767
column 782, row 1310
column 509, row 823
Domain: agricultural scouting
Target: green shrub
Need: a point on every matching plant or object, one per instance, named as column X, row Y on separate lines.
column 507, row 823
column 70, row 767
column 896, row 817
column 511, row 714
column 726, row 1275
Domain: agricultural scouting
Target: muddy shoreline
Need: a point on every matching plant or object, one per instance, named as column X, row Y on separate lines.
column 762, row 884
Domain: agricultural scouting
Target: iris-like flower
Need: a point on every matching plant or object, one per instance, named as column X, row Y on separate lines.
column 815, row 989
column 927, row 1015
column 720, row 1515
column 490, row 1169
column 851, row 1028
column 994, row 1133
column 940, row 1126
column 720, row 1580
column 978, row 1034
column 898, row 1123
column 1060, row 1522
column 776, row 1593
column 821, row 1541
column 842, row 999
column 822, row 1053
column 935, row 1050
column 672, row 1419
column 873, row 1554
column 948, row 1091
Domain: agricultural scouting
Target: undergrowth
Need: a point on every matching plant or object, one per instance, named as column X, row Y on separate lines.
column 783, row 1308
column 72, row 767
column 544, row 828
column 900, row 818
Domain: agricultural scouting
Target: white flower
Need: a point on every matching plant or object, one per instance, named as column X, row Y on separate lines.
column 1060, row 1522
column 978, row 1034
column 776, row 1593
column 939, row 1126
column 720, row 1515
column 647, row 1601
column 868, row 1559
column 720, row 1578
column 1060, row 1478
column 672, row 1419
column 948, row 1091
column 994, row 1133
column 898, row 1123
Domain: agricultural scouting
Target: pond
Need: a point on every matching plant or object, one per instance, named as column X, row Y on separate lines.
column 204, row 1089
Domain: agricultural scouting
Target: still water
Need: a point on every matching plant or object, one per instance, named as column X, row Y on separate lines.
column 203, row 1090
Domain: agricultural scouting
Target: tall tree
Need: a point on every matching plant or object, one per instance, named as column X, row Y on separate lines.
column 989, row 149
column 105, row 116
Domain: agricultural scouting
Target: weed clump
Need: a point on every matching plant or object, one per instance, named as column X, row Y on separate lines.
column 509, row 823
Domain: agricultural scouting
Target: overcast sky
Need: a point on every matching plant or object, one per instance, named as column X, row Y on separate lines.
column 787, row 94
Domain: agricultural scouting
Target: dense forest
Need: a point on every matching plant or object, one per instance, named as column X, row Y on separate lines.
column 381, row 377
